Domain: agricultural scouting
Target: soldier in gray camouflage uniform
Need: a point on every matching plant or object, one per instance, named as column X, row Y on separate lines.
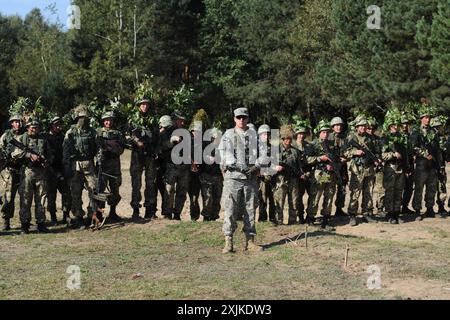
column 10, row 176
column 239, row 153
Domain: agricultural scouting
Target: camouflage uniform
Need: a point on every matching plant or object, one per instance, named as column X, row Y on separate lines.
column 379, row 178
column 442, row 176
column 143, row 161
column 176, row 179
column 425, row 141
column 111, row 143
column 323, row 180
column 10, row 177
column 304, row 185
column 238, row 150
column 265, row 183
column 338, row 141
column 34, row 178
column 362, row 176
column 79, row 150
column 394, row 173
column 409, row 176
column 286, row 183
column 56, row 181
column 194, row 186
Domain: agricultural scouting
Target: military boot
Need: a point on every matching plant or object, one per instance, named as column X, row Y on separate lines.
column 301, row 218
column 228, row 245
column 250, row 244
column 399, row 218
column 149, row 214
column 339, row 213
column 66, row 218
column 6, row 224
column 309, row 220
column 113, row 215
column 54, row 220
column 419, row 216
column 369, row 218
column 136, row 217
column 442, row 211
column 79, row 224
column 406, row 210
column 430, row 213
column 42, row 228
column 393, row 218
column 325, row 225
column 176, row 217
column 353, row 221
column 25, row 228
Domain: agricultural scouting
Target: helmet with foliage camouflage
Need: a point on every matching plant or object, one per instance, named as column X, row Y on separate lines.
column 360, row 121
column 108, row 115
column 286, row 132
column 393, row 116
column 15, row 117
column 406, row 118
column 336, row 121
column 264, row 129
column 438, row 121
column 165, row 121
column 80, row 111
column 141, row 101
column 371, row 122
column 322, row 126
column 33, row 122
column 425, row 111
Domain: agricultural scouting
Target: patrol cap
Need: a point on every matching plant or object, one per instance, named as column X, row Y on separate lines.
column 15, row 117
column 108, row 115
column 241, row 112
column 165, row 121
column 336, row 121
column 264, row 128
column 178, row 115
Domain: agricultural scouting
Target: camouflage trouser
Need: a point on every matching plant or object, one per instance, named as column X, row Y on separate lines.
column 327, row 189
column 286, row 187
column 11, row 181
column 442, row 190
column 394, row 183
column 143, row 164
column 409, row 190
column 425, row 175
column 113, row 180
column 266, row 200
column 83, row 177
column 33, row 185
column 212, row 186
column 358, row 185
column 54, row 184
column 240, row 198
column 194, row 194
column 379, row 188
column 160, row 186
column 176, row 182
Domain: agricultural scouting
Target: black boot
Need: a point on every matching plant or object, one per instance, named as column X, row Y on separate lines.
column 339, row 213
column 54, row 220
column 430, row 213
column 148, row 213
column 393, row 219
column 79, row 224
column 301, row 218
column 113, row 215
column 6, row 225
column 353, row 221
column 136, row 217
column 442, row 211
column 406, row 210
column 66, row 218
column 309, row 220
column 176, row 217
column 42, row 228
column 419, row 216
column 399, row 218
column 325, row 225
column 25, row 228
column 369, row 218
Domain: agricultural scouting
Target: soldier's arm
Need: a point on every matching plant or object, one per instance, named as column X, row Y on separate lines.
column 312, row 154
column 17, row 153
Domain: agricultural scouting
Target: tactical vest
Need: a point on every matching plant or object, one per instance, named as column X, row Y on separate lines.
column 37, row 144
column 84, row 143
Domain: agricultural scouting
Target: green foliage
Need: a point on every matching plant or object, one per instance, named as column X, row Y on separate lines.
column 183, row 100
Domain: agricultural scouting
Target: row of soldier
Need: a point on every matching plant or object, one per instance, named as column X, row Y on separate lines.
column 399, row 162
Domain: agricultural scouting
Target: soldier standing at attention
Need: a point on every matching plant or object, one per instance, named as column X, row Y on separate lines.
column 36, row 156
column 319, row 155
column 144, row 141
column 425, row 142
column 238, row 151
column 301, row 132
column 409, row 174
column 10, row 175
column 111, row 144
column 338, row 138
column 362, row 172
column 286, row 179
column 265, row 195
column 395, row 156
column 79, row 150
column 438, row 124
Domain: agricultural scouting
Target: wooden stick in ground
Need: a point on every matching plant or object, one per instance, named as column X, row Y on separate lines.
column 306, row 236
column 347, row 249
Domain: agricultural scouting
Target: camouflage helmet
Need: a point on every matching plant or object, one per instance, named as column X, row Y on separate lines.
column 405, row 119
column 371, row 122
column 33, row 122
column 178, row 115
column 425, row 111
column 55, row 120
column 286, row 132
column 301, row 129
column 165, row 121
column 108, row 115
column 15, row 117
column 251, row 126
column 438, row 121
column 264, row 128
column 322, row 126
column 360, row 121
column 336, row 121
column 141, row 101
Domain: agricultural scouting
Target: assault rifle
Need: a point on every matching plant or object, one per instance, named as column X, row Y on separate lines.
column 369, row 155
column 335, row 163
